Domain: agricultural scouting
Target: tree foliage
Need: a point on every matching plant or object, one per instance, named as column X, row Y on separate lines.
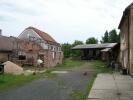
column 91, row 40
column 77, row 42
column 105, row 38
column 111, row 37
column 66, row 47
column 76, row 52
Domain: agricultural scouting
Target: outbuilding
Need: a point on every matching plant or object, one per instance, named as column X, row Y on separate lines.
column 106, row 51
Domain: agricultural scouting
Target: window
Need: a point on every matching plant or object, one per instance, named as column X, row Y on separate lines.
column 51, row 47
column 22, row 57
column 31, row 38
column 38, row 40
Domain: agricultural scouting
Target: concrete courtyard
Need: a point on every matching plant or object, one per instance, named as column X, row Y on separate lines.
column 112, row 87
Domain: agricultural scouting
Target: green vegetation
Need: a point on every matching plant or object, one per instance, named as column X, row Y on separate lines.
column 108, row 37
column 98, row 67
column 76, row 52
column 82, row 95
column 8, row 81
column 67, row 49
column 69, row 63
column 111, row 37
column 91, row 40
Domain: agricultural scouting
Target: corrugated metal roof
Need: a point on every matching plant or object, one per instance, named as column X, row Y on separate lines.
column 95, row 46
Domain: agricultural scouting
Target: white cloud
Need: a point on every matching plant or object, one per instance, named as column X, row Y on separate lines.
column 65, row 20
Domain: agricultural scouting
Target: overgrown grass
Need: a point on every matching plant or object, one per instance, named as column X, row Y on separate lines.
column 100, row 66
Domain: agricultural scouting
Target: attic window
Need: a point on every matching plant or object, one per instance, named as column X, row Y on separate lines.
column 31, row 38
column 39, row 40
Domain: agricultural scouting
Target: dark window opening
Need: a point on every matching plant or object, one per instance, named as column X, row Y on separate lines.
column 22, row 57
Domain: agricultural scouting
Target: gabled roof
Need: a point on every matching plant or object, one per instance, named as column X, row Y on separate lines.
column 125, row 13
column 95, row 46
column 45, row 36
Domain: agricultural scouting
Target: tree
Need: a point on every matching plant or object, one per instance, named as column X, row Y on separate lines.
column 76, row 52
column 77, row 42
column 91, row 40
column 113, row 37
column 67, row 49
column 105, row 38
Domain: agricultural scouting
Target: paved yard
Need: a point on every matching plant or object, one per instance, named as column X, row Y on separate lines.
column 112, row 87
column 60, row 87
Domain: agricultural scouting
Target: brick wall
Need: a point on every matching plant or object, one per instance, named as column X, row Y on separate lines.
column 52, row 58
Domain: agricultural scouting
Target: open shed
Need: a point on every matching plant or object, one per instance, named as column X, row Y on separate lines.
column 105, row 51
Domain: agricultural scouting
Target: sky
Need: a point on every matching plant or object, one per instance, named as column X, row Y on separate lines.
column 64, row 20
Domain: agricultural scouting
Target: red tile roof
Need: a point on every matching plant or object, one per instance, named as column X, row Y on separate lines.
column 44, row 35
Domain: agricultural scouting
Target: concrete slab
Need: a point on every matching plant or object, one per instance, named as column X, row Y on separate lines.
column 104, row 82
column 124, row 86
column 112, row 87
column 126, row 95
column 106, row 85
column 104, row 94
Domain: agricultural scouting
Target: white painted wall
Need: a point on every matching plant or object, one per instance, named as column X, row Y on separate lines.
column 26, row 34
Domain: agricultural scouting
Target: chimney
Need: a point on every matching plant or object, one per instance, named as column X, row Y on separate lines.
column 0, row 32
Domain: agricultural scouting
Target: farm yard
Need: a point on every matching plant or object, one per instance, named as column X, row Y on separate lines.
column 71, row 80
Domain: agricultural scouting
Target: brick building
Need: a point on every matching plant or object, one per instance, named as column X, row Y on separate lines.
column 51, row 52
column 18, row 51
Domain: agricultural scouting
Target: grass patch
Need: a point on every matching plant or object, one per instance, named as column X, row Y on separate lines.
column 78, row 95
column 69, row 63
column 100, row 66
column 8, row 81
column 83, row 95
